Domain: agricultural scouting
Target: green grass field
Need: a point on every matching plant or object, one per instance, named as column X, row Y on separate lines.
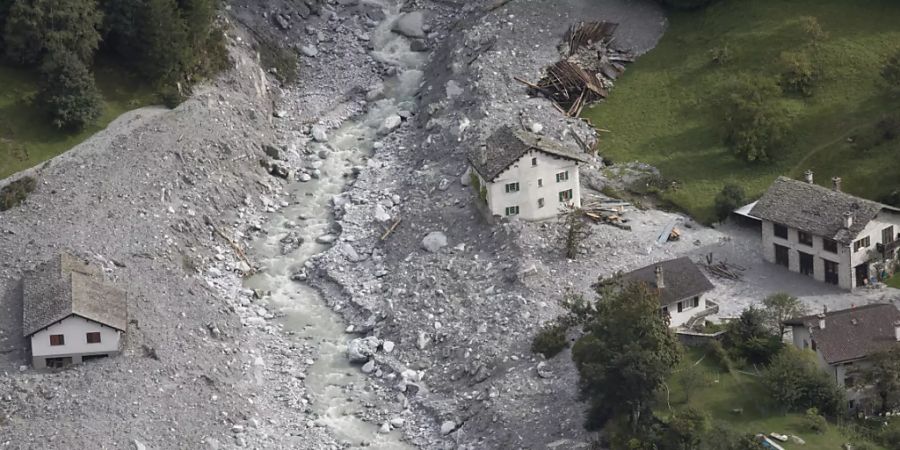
column 26, row 136
column 726, row 392
column 664, row 111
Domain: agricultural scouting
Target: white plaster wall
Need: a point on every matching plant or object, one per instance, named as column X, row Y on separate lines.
column 817, row 250
column 677, row 319
column 74, row 329
column 527, row 175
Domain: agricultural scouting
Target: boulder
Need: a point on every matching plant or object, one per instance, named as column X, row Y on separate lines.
column 272, row 151
column 369, row 366
column 360, row 350
column 387, row 346
column 380, row 214
column 318, row 133
column 466, row 178
column 309, row 50
column 434, row 241
column 447, row 427
column 390, row 123
column 326, row 239
column 411, row 25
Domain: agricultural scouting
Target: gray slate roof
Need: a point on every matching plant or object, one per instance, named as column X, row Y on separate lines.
column 816, row 209
column 506, row 146
column 681, row 277
column 852, row 333
column 66, row 285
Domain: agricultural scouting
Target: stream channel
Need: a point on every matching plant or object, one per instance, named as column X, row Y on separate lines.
column 332, row 381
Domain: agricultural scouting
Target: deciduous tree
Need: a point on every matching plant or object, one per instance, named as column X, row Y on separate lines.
column 728, row 199
column 883, row 377
column 749, row 337
column 780, row 307
column 756, row 125
column 795, row 380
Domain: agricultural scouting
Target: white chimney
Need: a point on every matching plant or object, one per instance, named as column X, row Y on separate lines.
column 897, row 330
column 848, row 219
column 836, row 183
column 660, row 280
column 821, row 321
column 808, row 176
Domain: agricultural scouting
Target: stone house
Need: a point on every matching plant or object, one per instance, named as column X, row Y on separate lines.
column 70, row 314
column 518, row 173
column 680, row 285
column 824, row 233
column 843, row 340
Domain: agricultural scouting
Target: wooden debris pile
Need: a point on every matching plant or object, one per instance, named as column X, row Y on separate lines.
column 607, row 211
column 723, row 269
column 587, row 70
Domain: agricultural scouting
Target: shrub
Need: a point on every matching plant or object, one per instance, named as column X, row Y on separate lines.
column 68, row 92
column 550, row 340
column 798, row 75
column 890, row 435
column 795, row 381
column 720, row 55
column 815, row 421
column 716, row 352
column 16, row 192
column 750, row 339
column 755, row 124
column 282, row 61
column 890, row 72
column 731, row 197
column 813, row 29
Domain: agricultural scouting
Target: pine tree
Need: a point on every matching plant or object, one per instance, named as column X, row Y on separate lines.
column 39, row 28
column 68, row 92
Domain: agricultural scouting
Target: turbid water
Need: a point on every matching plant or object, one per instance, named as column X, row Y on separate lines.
column 337, row 387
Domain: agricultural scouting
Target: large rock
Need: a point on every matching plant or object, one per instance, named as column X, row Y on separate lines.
column 319, row 134
column 391, row 123
column 361, row 349
column 434, row 241
column 380, row 214
column 447, row 427
column 411, row 24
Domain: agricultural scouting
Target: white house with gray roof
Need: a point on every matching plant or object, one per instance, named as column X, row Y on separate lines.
column 70, row 313
column 518, row 173
column 825, row 233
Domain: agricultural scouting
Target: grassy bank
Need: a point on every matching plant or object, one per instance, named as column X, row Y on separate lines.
column 665, row 112
column 26, row 136
column 725, row 393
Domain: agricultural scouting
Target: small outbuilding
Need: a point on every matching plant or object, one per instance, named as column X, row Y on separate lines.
column 70, row 313
column 680, row 285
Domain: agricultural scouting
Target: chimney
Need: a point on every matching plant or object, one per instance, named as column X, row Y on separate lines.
column 808, row 176
column 660, row 280
column 848, row 219
column 836, row 184
column 897, row 330
column 821, row 321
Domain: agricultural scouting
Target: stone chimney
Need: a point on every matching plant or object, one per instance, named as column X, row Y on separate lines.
column 897, row 330
column 821, row 321
column 836, row 184
column 660, row 279
column 848, row 219
column 808, row 176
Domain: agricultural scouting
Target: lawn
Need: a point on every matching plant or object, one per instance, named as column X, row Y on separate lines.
column 26, row 136
column 894, row 281
column 727, row 392
column 664, row 111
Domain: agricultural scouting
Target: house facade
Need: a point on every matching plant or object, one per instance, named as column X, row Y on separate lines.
column 522, row 174
column 824, row 233
column 680, row 285
column 71, row 314
column 843, row 340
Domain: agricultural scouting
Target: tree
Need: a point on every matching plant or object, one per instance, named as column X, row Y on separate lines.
column 731, row 197
column 795, row 380
column 68, row 93
column 689, row 427
column 748, row 337
column 813, row 29
column 883, row 377
column 36, row 28
column 690, row 379
column 626, row 354
column 891, row 72
column 780, row 307
column 755, row 124
column 797, row 73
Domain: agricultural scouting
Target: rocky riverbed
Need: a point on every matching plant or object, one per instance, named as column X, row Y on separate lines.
column 444, row 306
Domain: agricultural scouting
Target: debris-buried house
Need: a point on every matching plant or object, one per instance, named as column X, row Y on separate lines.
column 825, row 233
column 680, row 285
column 70, row 313
column 518, row 173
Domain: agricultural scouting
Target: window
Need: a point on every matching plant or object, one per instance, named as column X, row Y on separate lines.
column 540, row 203
column 831, row 272
column 93, row 337
column 540, row 182
column 887, row 235
column 782, row 256
column 57, row 339
column 813, row 346
column 533, row 161
column 562, row 176
column 680, row 306
column 512, row 210
column 696, row 302
column 512, row 187
column 780, row 231
column 665, row 311
column 830, row 245
column 565, row 196
column 804, row 238
column 860, row 244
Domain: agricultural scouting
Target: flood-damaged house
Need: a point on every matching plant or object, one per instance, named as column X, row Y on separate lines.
column 680, row 285
column 519, row 173
column 70, row 313
column 843, row 341
column 825, row 233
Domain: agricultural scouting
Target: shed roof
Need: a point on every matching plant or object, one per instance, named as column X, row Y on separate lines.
column 816, row 209
column 853, row 333
column 506, row 146
column 681, row 279
column 67, row 285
